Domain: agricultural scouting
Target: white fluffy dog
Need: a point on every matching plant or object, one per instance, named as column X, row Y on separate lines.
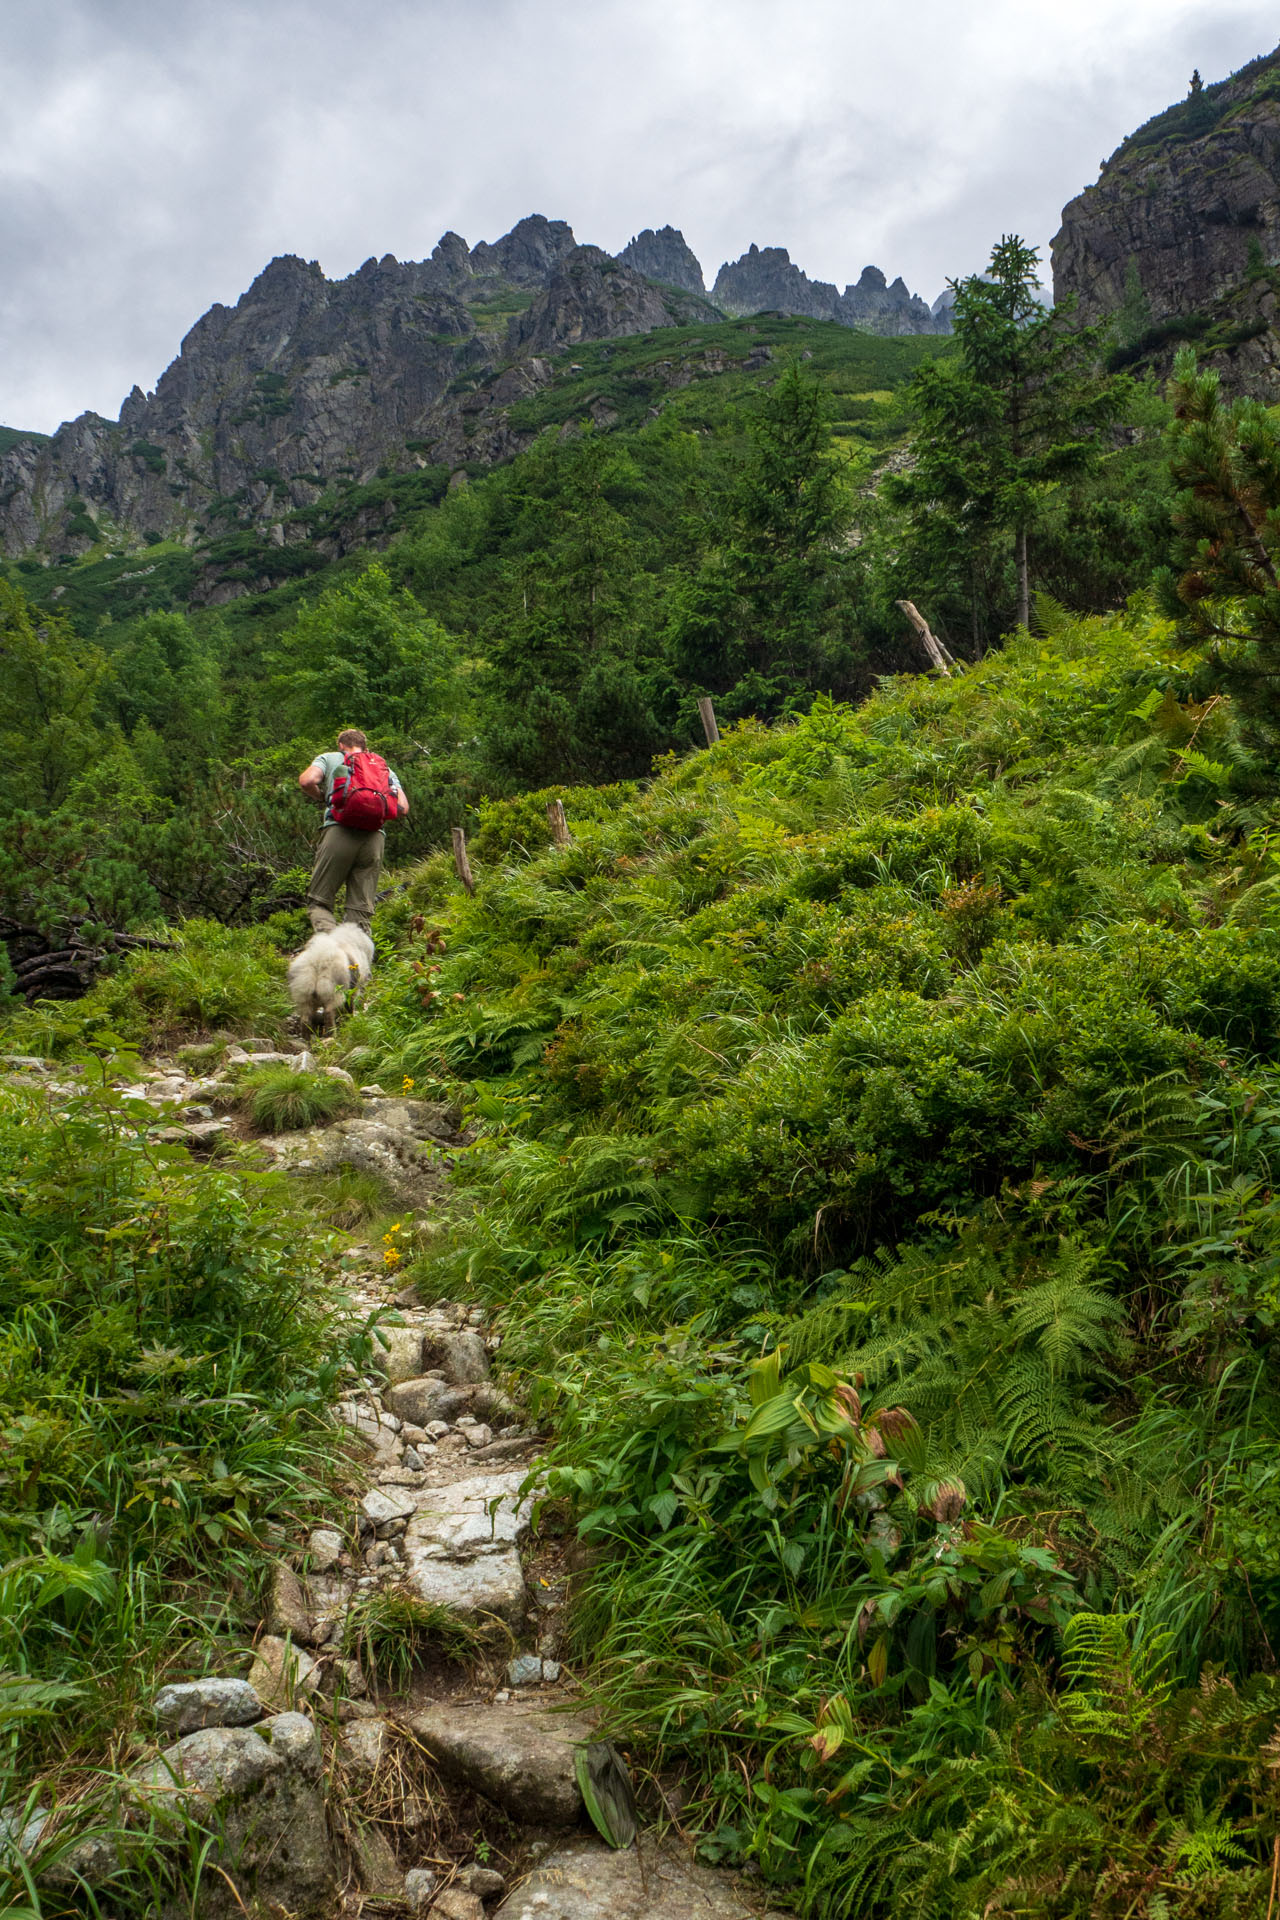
column 330, row 966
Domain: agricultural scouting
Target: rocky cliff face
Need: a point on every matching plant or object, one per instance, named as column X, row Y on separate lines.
column 1180, row 235
column 766, row 279
column 665, row 256
column 307, row 380
column 593, row 297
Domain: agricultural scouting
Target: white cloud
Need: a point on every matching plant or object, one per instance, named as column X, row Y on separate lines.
column 155, row 154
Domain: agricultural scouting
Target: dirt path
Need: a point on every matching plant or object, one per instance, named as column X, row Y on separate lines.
column 369, row 1767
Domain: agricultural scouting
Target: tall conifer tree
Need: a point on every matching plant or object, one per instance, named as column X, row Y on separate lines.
column 1020, row 409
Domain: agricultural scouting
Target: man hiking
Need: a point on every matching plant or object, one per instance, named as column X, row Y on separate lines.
column 360, row 792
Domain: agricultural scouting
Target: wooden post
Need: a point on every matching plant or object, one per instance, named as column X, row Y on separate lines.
column 937, row 654
column 460, row 860
column 558, row 824
column 707, row 714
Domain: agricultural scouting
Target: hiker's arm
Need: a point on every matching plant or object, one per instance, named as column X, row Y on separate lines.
column 312, row 781
column 402, row 798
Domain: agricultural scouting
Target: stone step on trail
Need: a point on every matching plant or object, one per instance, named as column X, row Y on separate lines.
column 516, row 1754
column 461, row 1548
column 654, row 1880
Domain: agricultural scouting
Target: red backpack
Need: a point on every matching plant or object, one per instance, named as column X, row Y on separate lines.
column 361, row 796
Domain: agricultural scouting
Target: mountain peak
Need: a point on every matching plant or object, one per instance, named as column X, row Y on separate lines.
column 665, row 256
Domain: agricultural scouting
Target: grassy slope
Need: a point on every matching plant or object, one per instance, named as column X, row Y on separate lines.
column 15, row 436
column 927, row 1050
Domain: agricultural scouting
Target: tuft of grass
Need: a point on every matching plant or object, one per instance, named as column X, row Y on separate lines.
column 278, row 1100
column 346, row 1199
column 203, row 1057
column 390, row 1631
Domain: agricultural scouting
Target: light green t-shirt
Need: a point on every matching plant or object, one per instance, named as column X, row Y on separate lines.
column 329, row 764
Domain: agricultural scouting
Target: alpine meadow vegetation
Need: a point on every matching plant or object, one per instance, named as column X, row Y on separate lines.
column 874, row 1186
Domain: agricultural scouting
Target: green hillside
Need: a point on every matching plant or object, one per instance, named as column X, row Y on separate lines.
column 15, row 436
column 672, row 372
column 874, row 1184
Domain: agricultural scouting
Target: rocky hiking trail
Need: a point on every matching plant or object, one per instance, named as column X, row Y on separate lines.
column 450, row 1787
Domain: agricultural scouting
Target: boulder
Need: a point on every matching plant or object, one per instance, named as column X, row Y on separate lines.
column 462, row 1357
column 259, row 1790
column 191, row 1704
column 363, row 1744
column 324, row 1549
column 519, row 1757
column 481, row 1514
column 397, row 1353
column 419, row 1886
column 328, row 1596
column 457, row 1903
column 288, row 1614
column 282, row 1673
column 585, row 1880
column 485, row 1881
column 478, row 1592
column 380, row 1876
column 425, row 1400
column 387, row 1513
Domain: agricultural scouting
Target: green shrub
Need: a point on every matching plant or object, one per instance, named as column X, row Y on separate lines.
column 209, row 979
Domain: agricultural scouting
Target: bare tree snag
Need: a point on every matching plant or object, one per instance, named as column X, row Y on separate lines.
column 707, row 715
column 558, row 824
column 935, row 651
column 460, row 860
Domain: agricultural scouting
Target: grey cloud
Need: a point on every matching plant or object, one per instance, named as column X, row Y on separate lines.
column 156, row 153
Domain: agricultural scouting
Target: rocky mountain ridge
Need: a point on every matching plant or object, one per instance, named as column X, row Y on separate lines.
column 766, row 278
column 309, row 382
column 1180, row 234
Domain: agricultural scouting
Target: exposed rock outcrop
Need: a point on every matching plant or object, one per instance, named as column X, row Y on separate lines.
column 592, row 296
column 309, row 383
column 766, row 279
column 259, row 1789
column 518, row 1755
column 1180, row 235
column 665, row 256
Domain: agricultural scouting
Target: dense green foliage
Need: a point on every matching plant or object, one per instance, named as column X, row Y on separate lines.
column 876, row 1185
column 1205, row 108
column 529, row 626
column 876, row 1116
column 166, row 1367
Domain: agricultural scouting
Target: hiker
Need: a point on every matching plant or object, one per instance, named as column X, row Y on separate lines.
column 360, row 793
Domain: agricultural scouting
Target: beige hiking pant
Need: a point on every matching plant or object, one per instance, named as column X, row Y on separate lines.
column 344, row 855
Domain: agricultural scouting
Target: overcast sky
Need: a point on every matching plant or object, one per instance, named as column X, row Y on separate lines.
column 155, row 154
